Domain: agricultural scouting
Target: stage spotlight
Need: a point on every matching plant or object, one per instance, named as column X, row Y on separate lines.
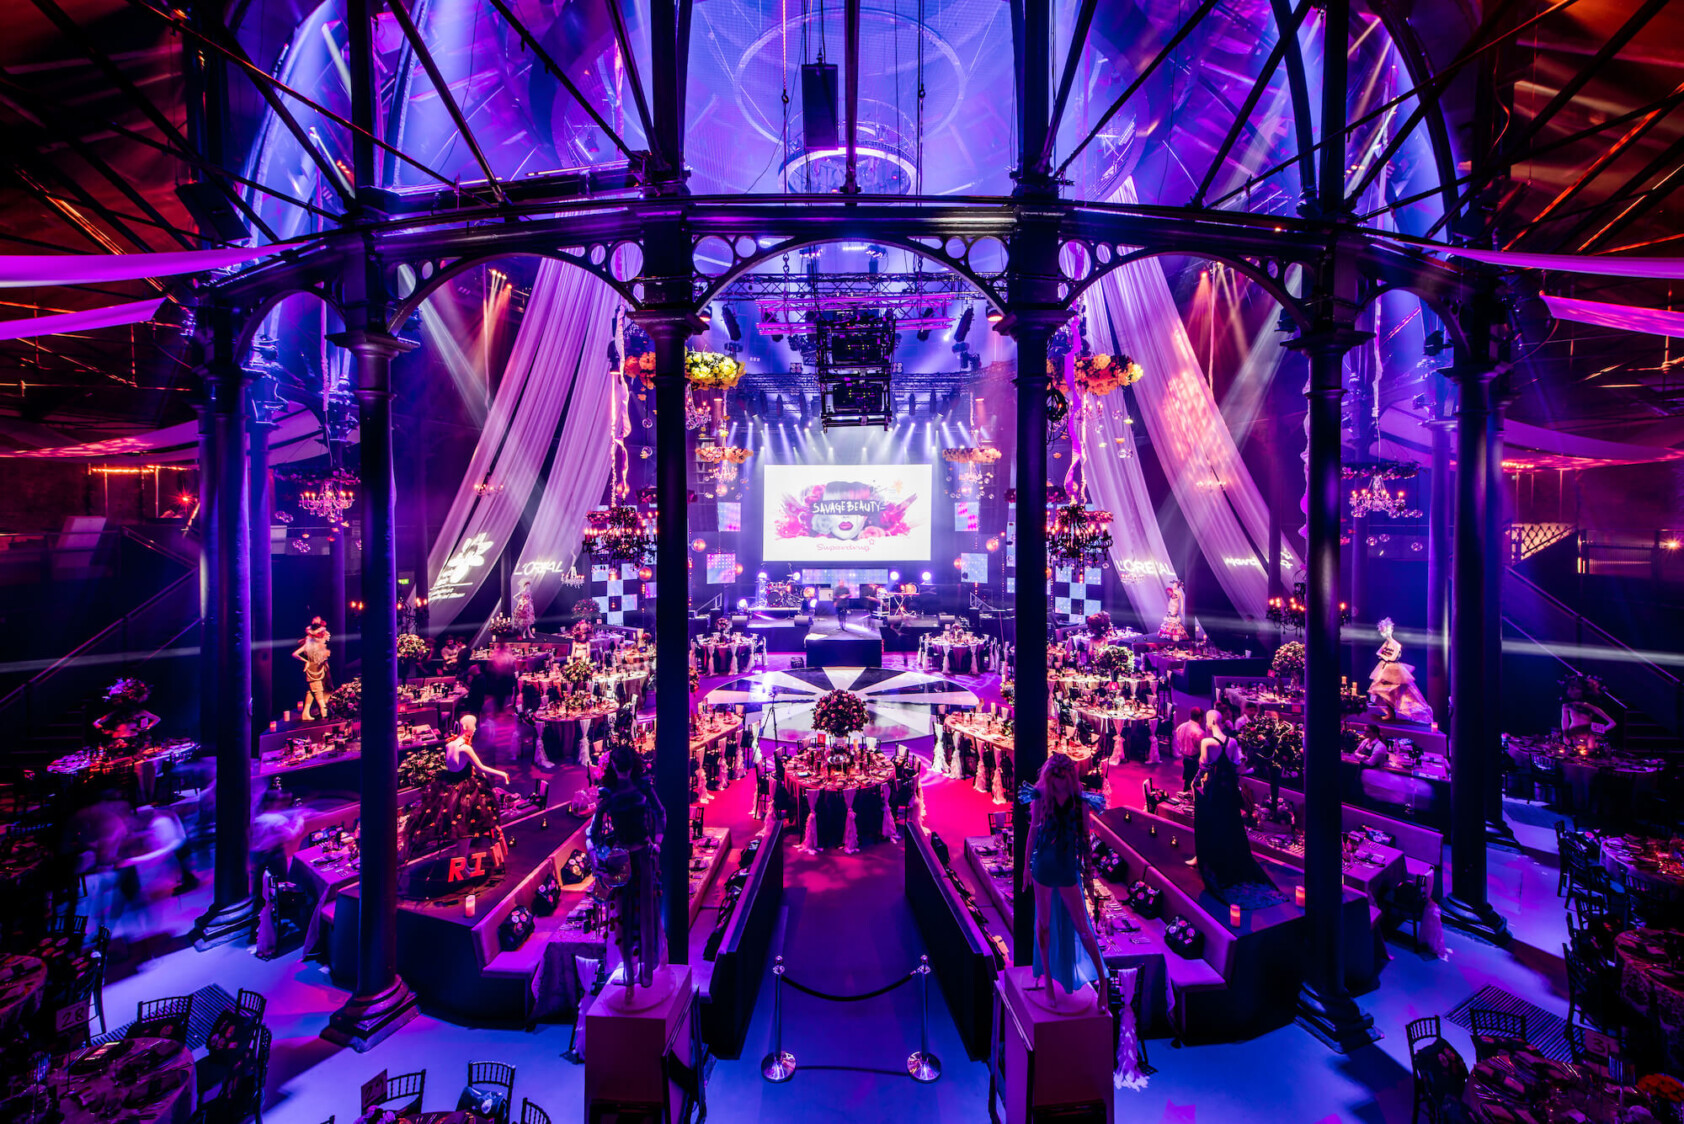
column 926, row 576
column 706, row 316
column 995, row 316
column 894, row 575
column 927, row 314
column 742, row 602
column 964, row 327
column 732, row 328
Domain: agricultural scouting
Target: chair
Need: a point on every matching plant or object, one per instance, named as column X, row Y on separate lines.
column 1548, row 780
column 1496, row 1032
column 162, row 1018
column 529, row 1113
column 1421, row 1032
column 998, row 822
column 1406, row 904
column 407, row 1089
column 1563, row 846
column 1588, row 995
column 241, row 1096
column 491, row 1085
column 251, row 1003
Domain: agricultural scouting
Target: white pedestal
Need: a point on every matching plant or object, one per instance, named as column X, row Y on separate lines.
column 626, row 1040
column 1053, row 1055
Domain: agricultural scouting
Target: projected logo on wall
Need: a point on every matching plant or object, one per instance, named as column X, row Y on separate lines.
column 460, row 575
column 851, row 512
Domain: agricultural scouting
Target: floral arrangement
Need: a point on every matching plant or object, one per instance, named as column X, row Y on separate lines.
column 969, row 454
column 586, row 609
column 1289, row 659
column 576, row 672
column 1277, row 810
column 419, row 768
column 1099, row 624
column 712, row 371
column 1114, row 658
column 839, row 714
column 413, row 647
column 1274, row 743
column 723, row 454
column 502, row 628
column 346, row 701
column 1008, row 691
column 1099, row 375
column 1661, row 1087
column 127, row 691
column 1383, row 470
column 582, row 631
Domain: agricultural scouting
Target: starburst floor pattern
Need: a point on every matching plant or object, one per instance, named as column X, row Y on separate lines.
column 898, row 702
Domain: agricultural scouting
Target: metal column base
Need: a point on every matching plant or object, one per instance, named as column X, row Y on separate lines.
column 366, row 1020
column 1476, row 920
column 226, row 924
column 1337, row 1021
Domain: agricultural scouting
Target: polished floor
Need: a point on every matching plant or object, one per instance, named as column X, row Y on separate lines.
column 845, row 928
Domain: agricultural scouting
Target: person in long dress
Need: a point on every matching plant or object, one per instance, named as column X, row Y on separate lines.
column 1392, row 684
column 1060, row 864
column 314, row 654
column 525, row 616
column 459, row 803
column 1173, row 627
column 1221, row 847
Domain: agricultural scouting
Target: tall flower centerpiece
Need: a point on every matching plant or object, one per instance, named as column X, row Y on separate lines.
column 710, row 370
column 839, row 714
column 1275, row 745
column 1289, row 661
column 412, row 649
column 1099, row 625
column 576, row 673
column 502, row 628
column 346, row 701
column 1114, row 660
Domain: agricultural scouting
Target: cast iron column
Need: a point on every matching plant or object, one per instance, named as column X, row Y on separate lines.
column 672, row 625
column 210, row 458
column 227, row 525
column 1496, row 557
column 1467, row 907
column 382, row 1001
column 1029, row 607
column 261, row 505
column 1438, row 571
column 339, row 591
column 1324, row 1005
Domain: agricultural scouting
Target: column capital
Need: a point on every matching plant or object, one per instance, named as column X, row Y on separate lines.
column 1032, row 320
column 370, row 343
column 666, row 323
column 1335, row 339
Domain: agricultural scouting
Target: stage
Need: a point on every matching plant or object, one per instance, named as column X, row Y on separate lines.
column 833, row 642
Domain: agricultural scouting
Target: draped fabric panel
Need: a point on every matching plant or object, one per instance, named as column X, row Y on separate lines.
column 583, row 461
column 1625, row 317
column 1652, row 268
column 111, row 316
column 567, row 307
column 1224, row 509
column 1111, row 468
column 21, row 270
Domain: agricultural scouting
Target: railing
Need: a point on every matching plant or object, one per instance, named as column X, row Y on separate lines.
column 154, row 627
column 1582, row 645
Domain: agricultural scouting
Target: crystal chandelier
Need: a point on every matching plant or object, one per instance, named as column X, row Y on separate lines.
column 1291, row 611
column 620, row 534
column 1375, row 498
column 330, row 497
column 1078, row 536
column 572, row 579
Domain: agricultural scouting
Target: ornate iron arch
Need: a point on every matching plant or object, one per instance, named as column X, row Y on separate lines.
column 250, row 321
column 432, row 273
column 709, row 287
column 1270, row 274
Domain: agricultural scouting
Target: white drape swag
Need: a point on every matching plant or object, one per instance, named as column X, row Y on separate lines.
column 563, row 332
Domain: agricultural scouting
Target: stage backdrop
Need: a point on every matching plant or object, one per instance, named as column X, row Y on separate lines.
column 847, row 513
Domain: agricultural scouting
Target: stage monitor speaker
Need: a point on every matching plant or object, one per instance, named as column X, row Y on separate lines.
column 819, row 117
column 212, row 211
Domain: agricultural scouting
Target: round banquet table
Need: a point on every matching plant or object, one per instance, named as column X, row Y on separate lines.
column 957, row 657
column 88, row 763
column 566, row 733
column 23, row 984
column 1617, row 780
column 730, row 656
column 1656, row 871
column 132, row 1081
column 1524, row 1087
column 1003, row 741
column 453, row 1116
column 1650, row 980
column 830, row 805
column 1112, row 723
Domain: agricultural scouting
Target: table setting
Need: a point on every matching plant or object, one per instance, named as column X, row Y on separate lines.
column 1650, row 977
column 129, row 1081
column 1524, row 1087
column 956, row 653
column 571, row 725
column 1654, row 864
column 23, row 985
column 724, row 655
column 87, row 763
column 1584, row 766
column 841, row 796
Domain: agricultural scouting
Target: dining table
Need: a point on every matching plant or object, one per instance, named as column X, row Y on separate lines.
column 1593, row 774
column 91, row 762
column 725, row 655
column 959, row 654
column 1523, row 1087
column 999, row 734
column 567, row 731
column 1656, row 865
column 129, row 1081
column 23, row 986
column 1651, row 979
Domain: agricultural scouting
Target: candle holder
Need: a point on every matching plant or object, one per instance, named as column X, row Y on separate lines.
column 1234, row 917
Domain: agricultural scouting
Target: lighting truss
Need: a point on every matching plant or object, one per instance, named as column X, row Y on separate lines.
column 855, row 357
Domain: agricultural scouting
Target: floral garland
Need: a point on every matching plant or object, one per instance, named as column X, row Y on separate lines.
column 577, row 672
column 971, row 454
column 1289, row 659
column 723, row 454
column 839, row 714
column 501, row 627
column 1099, row 375
column 346, row 701
column 127, row 691
column 413, row 647
column 712, row 371
column 1099, row 624
column 1274, row 743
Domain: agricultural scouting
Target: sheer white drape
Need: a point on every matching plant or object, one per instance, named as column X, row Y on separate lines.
column 567, row 311
column 1212, row 485
column 579, row 474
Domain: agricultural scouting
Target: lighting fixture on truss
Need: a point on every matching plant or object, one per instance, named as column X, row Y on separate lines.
column 855, row 357
column 620, row 534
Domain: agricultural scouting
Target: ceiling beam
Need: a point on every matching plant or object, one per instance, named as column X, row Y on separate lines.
column 1243, row 115
column 1646, row 201
column 1072, row 58
column 400, row 10
column 629, row 57
column 1181, row 33
column 560, row 75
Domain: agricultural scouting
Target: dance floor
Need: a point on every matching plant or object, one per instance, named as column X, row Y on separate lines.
column 846, row 928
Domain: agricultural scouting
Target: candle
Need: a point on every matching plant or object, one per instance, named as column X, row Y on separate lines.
column 468, row 905
column 1234, row 916
column 1298, row 895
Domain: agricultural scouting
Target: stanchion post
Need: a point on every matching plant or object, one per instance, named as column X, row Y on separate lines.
column 779, row 1065
column 923, row 1066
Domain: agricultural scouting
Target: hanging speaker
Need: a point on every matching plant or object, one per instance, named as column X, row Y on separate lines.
column 818, row 106
column 212, row 211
